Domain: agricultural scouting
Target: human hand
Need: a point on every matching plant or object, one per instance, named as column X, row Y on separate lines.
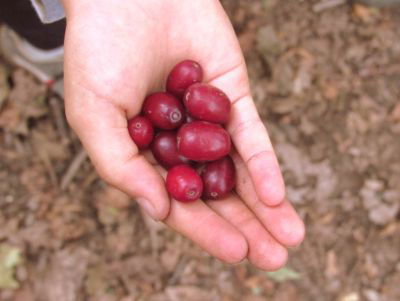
column 116, row 53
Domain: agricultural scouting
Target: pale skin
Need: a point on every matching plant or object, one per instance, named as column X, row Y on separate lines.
column 116, row 53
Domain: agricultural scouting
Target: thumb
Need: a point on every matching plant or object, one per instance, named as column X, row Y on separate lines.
column 102, row 129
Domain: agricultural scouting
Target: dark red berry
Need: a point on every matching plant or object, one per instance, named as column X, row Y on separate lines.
column 184, row 184
column 164, row 110
column 141, row 131
column 208, row 103
column 218, row 178
column 182, row 76
column 203, row 141
column 165, row 150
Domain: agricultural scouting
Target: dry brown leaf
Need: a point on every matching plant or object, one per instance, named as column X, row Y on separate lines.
column 10, row 119
column 97, row 281
column 329, row 90
column 331, row 269
column 363, row 12
column 4, row 86
column 64, row 276
column 47, row 147
column 26, row 100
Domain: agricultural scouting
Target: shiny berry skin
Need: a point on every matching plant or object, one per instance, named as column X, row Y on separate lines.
column 164, row 110
column 208, row 103
column 183, row 75
column 184, row 184
column 141, row 131
column 203, row 141
column 218, row 178
column 165, row 150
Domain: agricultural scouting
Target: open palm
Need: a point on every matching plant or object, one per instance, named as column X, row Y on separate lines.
column 117, row 52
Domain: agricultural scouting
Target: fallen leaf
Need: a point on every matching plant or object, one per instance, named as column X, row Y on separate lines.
column 98, row 281
column 4, row 86
column 10, row 258
column 64, row 276
column 26, row 100
column 268, row 43
column 284, row 274
column 47, row 147
column 331, row 269
column 363, row 12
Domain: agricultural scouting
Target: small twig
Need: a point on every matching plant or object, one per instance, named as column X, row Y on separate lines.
column 178, row 270
column 73, row 168
column 327, row 4
column 43, row 154
column 59, row 118
column 379, row 70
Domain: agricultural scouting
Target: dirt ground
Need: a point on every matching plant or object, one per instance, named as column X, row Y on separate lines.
column 326, row 82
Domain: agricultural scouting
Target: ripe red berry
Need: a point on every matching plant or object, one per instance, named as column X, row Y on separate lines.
column 182, row 76
column 164, row 110
column 218, row 178
column 141, row 131
column 208, row 103
column 203, row 141
column 184, row 184
column 165, row 150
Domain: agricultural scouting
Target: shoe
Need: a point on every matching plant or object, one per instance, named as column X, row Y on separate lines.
column 46, row 65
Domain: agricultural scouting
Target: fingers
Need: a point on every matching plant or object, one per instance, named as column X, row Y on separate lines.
column 102, row 128
column 264, row 251
column 250, row 137
column 281, row 221
column 252, row 142
column 207, row 229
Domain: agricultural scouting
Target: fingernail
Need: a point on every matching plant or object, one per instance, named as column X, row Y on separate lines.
column 148, row 207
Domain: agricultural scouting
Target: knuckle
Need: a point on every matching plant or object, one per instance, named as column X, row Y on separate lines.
column 246, row 125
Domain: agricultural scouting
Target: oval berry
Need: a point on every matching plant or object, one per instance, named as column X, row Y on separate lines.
column 164, row 110
column 203, row 141
column 141, row 131
column 218, row 178
column 182, row 76
column 208, row 103
column 184, row 184
column 165, row 150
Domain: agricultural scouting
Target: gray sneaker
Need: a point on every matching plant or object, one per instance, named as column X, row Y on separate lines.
column 46, row 65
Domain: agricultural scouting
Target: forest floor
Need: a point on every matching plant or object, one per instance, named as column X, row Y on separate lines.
column 326, row 81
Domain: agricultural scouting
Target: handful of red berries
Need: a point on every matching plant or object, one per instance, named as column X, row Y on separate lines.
column 189, row 119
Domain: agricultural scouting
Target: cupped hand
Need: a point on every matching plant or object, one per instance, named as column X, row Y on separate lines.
column 116, row 53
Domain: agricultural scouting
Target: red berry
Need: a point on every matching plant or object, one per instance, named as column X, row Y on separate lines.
column 165, row 150
column 141, row 131
column 182, row 76
column 207, row 103
column 184, row 184
column 218, row 178
column 203, row 141
column 164, row 110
